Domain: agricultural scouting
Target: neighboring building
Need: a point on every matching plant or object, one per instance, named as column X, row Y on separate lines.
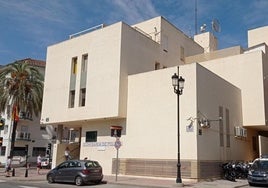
column 120, row 76
column 29, row 132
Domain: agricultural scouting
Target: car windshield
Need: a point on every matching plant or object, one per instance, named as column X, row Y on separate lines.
column 260, row 165
column 92, row 164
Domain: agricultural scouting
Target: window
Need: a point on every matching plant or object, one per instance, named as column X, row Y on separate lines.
column 182, row 54
column 91, row 136
column 74, row 65
column 19, row 151
column 84, row 63
column 82, row 99
column 2, row 150
column 221, row 127
column 156, row 66
column 165, row 43
column 39, row 150
column 42, row 128
column 71, row 100
column 228, row 141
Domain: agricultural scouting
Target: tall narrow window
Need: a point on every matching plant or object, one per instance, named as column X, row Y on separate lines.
column 228, row 137
column 71, row 98
column 84, row 63
column 165, row 43
column 74, row 65
column 182, row 54
column 221, row 127
column 82, row 98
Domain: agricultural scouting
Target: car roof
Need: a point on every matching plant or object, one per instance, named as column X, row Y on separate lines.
column 261, row 159
column 78, row 160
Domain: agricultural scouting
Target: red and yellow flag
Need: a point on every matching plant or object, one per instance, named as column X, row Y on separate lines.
column 15, row 113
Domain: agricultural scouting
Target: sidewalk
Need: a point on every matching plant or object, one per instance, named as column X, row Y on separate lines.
column 128, row 180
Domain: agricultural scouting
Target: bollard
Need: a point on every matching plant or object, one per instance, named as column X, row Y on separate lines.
column 26, row 173
column 13, row 172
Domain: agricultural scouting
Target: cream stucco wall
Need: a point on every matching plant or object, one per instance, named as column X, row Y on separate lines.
column 103, row 150
column 152, row 120
column 207, row 40
column 214, row 92
column 257, row 36
column 114, row 52
column 245, row 71
column 102, row 47
column 163, row 32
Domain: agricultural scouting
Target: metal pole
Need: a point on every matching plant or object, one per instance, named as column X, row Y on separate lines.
column 116, row 168
column 178, row 180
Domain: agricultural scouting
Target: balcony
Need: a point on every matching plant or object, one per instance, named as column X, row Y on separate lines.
column 23, row 136
column 25, row 116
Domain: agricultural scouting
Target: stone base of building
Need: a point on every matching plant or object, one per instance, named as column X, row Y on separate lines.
column 190, row 169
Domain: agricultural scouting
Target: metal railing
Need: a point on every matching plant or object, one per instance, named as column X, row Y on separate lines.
column 23, row 136
column 87, row 31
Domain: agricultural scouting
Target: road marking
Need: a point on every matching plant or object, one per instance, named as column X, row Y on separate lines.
column 2, row 181
column 22, row 186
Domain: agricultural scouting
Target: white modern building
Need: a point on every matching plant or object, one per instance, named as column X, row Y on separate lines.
column 119, row 76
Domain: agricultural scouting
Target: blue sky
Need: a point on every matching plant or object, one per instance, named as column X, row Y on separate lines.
column 27, row 27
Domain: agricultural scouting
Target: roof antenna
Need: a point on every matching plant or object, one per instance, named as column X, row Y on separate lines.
column 196, row 17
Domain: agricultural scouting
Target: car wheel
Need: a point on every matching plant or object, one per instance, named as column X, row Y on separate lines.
column 251, row 184
column 50, row 179
column 98, row 181
column 79, row 181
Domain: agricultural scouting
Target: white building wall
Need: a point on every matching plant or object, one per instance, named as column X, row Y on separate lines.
column 213, row 92
column 245, row 71
column 257, row 36
column 103, row 49
column 103, row 150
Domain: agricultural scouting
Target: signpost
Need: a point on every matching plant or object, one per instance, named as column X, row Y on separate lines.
column 117, row 145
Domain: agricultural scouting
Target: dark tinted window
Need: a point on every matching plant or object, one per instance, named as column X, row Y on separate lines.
column 260, row 165
column 64, row 165
column 91, row 136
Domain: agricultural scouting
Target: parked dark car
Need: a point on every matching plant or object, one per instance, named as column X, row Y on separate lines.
column 76, row 171
column 258, row 173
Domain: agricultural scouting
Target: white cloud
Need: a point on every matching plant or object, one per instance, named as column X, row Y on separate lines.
column 135, row 10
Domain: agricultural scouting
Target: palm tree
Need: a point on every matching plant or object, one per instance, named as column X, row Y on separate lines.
column 21, row 89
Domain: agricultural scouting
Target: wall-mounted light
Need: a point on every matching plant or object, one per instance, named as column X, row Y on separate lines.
column 205, row 123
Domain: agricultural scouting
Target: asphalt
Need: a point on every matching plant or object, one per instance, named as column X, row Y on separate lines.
column 21, row 174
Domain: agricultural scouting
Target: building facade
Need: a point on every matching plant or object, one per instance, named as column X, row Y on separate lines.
column 120, row 76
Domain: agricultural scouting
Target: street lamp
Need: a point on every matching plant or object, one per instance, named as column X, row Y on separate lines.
column 178, row 84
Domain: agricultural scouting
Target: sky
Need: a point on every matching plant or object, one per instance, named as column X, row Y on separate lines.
column 28, row 27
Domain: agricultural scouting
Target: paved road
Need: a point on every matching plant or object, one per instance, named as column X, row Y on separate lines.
column 39, row 181
column 44, row 184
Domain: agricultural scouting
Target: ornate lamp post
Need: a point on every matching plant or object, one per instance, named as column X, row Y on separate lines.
column 178, row 84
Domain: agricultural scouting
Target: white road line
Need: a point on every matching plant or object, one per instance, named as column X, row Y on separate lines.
column 22, row 186
column 2, row 181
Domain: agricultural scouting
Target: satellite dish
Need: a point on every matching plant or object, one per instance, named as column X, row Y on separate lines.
column 215, row 24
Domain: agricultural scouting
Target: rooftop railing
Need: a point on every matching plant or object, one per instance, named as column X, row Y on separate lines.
column 87, row 31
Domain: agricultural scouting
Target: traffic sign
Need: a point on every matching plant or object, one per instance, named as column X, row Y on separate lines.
column 117, row 143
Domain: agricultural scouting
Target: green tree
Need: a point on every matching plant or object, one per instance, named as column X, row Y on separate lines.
column 21, row 89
